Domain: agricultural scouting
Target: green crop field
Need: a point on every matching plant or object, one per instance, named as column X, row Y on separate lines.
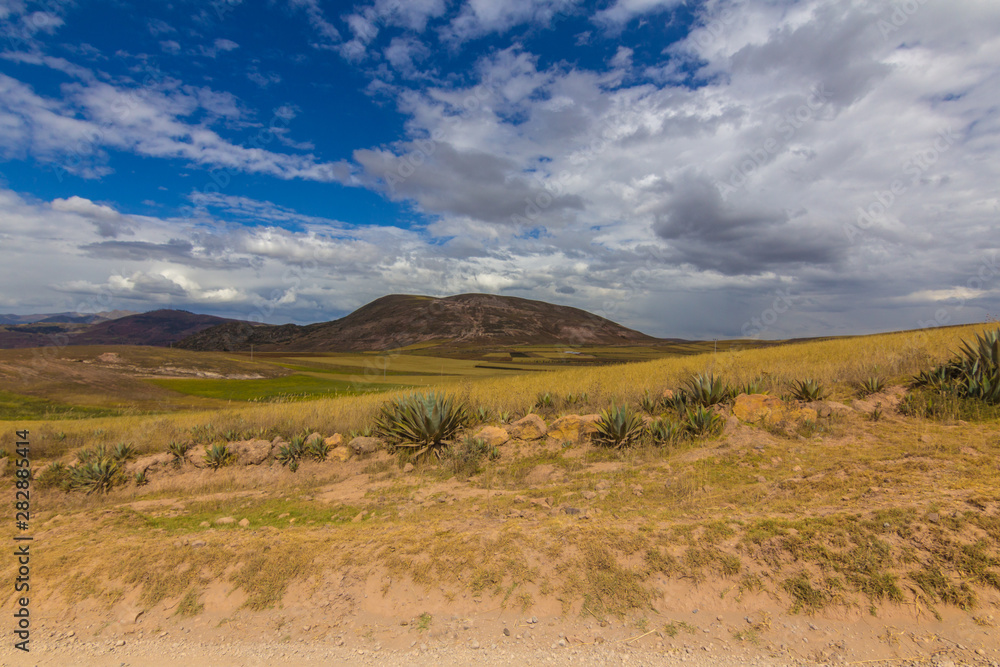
column 298, row 386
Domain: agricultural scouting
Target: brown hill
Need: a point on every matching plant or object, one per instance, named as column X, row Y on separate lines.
column 398, row 320
column 158, row 328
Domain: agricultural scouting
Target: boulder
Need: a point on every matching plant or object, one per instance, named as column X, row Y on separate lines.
column 364, row 445
column 573, row 428
column 335, row 440
column 147, row 464
column 531, row 427
column 341, row 453
column 250, row 452
column 313, row 438
column 493, row 436
column 769, row 410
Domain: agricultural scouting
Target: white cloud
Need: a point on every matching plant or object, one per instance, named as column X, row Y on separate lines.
column 482, row 17
column 623, row 11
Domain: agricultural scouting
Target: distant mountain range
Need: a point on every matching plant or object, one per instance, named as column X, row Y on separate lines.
column 399, row 320
column 159, row 327
column 390, row 322
column 66, row 318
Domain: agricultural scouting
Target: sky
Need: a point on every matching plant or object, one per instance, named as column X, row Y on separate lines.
column 695, row 169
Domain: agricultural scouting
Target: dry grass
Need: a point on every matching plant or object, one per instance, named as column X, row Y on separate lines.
column 849, row 512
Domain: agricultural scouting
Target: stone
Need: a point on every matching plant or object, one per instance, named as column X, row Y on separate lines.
column 493, row 436
column 408, row 467
column 934, row 517
column 225, row 520
column 244, row 523
column 335, row 440
column 313, row 438
column 770, row 410
column 146, row 464
column 530, row 427
column 364, row 445
column 573, row 428
column 250, row 452
column 341, row 453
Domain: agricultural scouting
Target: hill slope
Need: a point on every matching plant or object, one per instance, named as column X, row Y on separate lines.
column 158, row 328
column 398, row 320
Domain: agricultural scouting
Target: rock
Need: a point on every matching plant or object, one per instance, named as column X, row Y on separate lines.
column 341, row 453
column 770, row 410
column 313, row 438
column 278, row 441
column 244, row 523
column 145, row 464
column 335, row 440
column 198, row 544
column 589, row 495
column 493, row 436
column 530, row 427
column 408, row 467
column 934, row 517
column 364, row 445
column 251, row 452
column 573, row 428
column 225, row 520
column 667, row 395
column 196, row 456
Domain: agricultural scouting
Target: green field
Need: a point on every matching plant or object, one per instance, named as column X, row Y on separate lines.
column 289, row 387
column 18, row 406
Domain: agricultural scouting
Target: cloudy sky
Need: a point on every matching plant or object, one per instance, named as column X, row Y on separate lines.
column 690, row 168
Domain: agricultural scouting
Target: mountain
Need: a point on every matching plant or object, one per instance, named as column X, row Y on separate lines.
column 158, row 327
column 65, row 318
column 399, row 320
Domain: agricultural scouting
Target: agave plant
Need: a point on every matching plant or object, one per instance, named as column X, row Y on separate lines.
column 483, row 414
column 544, row 401
column 974, row 373
column 872, row 385
column 421, row 422
column 702, row 421
column 706, row 390
column 618, row 427
column 123, row 452
column 664, row 431
column 179, row 450
column 649, row 403
column 96, row 476
column 141, row 479
column 755, row 386
column 808, row 390
column 290, row 454
column 318, row 450
column 218, row 455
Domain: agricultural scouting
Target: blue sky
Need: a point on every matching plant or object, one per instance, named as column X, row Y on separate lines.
column 696, row 169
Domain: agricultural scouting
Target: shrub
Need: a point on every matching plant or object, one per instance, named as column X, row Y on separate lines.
column 96, row 476
column 544, row 401
column 466, row 459
column 706, row 390
column 218, row 456
column 55, row 476
column 141, row 479
column 702, row 421
column 421, row 422
column 755, row 386
column 483, row 414
column 808, row 390
column 618, row 427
